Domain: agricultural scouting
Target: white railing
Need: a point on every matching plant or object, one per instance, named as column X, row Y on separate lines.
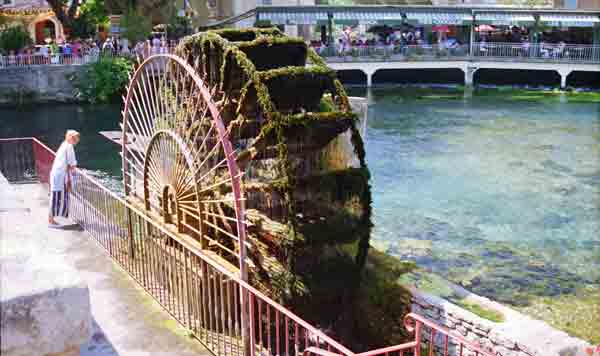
column 538, row 52
column 39, row 59
column 479, row 51
column 392, row 52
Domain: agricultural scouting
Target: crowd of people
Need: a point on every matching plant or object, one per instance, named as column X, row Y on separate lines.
column 80, row 51
column 392, row 41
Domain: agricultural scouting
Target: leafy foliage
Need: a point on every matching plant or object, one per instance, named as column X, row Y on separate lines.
column 91, row 14
column 136, row 26
column 179, row 27
column 104, row 80
column 14, row 38
column 65, row 11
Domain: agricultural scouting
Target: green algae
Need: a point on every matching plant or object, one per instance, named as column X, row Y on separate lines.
column 517, row 94
column 578, row 314
column 429, row 283
column 482, row 311
column 502, row 92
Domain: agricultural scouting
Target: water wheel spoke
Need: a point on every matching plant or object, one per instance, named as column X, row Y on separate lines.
column 177, row 152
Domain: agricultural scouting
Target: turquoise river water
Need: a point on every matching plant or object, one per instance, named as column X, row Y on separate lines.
column 498, row 194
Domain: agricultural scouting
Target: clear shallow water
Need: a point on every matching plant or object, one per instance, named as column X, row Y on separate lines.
column 50, row 122
column 501, row 196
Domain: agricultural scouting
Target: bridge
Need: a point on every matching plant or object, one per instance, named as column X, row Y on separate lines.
column 324, row 25
column 469, row 59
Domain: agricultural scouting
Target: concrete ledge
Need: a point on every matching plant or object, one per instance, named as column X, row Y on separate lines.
column 45, row 311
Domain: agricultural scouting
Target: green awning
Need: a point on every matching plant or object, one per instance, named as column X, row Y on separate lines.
column 440, row 18
column 367, row 17
column 293, row 17
column 504, row 19
column 568, row 20
column 346, row 22
column 391, row 22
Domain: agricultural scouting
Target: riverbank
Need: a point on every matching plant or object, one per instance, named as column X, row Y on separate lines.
column 38, row 84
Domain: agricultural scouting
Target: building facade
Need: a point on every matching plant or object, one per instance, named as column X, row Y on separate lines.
column 578, row 4
column 37, row 17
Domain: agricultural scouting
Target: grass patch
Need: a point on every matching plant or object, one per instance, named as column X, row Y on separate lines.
column 482, row 311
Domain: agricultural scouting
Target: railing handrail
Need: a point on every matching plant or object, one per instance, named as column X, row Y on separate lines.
column 476, row 51
column 318, row 351
column 197, row 250
column 58, row 59
column 516, row 44
column 193, row 248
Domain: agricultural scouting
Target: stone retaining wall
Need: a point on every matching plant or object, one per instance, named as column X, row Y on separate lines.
column 518, row 335
column 37, row 84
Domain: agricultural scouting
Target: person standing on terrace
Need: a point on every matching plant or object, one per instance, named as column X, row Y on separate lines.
column 61, row 178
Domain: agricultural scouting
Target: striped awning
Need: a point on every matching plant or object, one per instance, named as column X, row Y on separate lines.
column 293, row 17
column 569, row 20
column 504, row 19
column 439, row 18
column 350, row 17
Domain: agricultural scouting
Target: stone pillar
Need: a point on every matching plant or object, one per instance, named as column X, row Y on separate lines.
column 563, row 81
column 564, row 73
column 369, row 73
column 469, row 75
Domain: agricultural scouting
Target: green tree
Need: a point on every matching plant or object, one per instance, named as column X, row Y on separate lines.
column 104, row 80
column 65, row 10
column 92, row 13
column 14, row 38
column 179, row 27
column 136, row 26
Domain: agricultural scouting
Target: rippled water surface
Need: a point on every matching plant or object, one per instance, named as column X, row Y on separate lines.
column 499, row 195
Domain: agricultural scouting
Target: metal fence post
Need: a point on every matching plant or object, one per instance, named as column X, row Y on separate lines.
column 130, row 237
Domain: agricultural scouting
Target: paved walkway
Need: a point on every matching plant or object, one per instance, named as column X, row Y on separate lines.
column 127, row 321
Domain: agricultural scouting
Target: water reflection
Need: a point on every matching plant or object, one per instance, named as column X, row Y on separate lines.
column 49, row 123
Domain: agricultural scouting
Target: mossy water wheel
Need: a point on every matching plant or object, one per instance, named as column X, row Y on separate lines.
column 296, row 141
column 178, row 163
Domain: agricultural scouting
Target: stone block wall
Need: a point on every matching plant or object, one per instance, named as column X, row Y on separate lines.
column 518, row 335
column 37, row 84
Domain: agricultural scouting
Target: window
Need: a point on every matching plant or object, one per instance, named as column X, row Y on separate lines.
column 267, row 2
column 570, row 4
column 7, row 2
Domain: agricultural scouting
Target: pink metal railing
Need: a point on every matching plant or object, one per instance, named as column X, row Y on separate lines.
column 202, row 294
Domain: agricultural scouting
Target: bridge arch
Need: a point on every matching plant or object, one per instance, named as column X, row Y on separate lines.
column 354, row 76
column 585, row 79
column 417, row 75
column 505, row 76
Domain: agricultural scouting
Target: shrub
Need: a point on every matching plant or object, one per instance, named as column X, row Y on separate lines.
column 136, row 26
column 179, row 27
column 91, row 15
column 104, row 80
column 13, row 39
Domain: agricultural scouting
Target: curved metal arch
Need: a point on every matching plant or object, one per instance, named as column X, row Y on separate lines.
column 169, row 188
column 136, row 101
